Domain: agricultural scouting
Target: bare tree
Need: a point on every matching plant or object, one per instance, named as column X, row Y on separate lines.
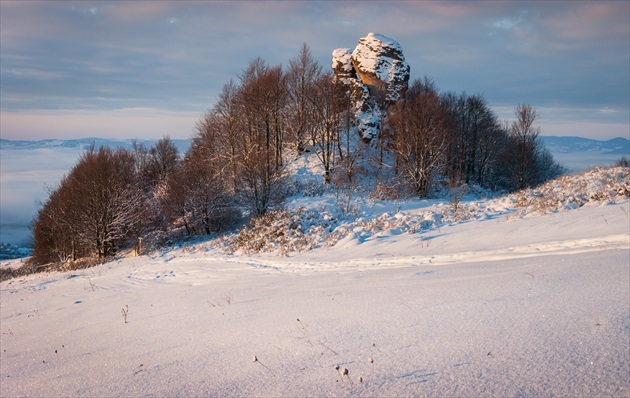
column 328, row 96
column 422, row 127
column 163, row 158
column 222, row 125
column 197, row 195
column 52, row 229
column 524, row 161
column 524, row 144
column 112, row 205
column 478, row 138
column 98, row 206
column 258, row 159
column 302, row 76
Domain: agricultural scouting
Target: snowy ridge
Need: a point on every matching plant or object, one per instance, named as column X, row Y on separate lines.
column 283, row 232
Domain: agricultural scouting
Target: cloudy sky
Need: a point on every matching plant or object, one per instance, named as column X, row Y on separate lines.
column 148, row 69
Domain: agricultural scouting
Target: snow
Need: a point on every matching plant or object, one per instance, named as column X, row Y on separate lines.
column 523, row 295
column 377, row 40
column 382, row 56
column 342, row 57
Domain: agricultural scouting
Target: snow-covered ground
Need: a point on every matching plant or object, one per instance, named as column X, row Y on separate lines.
column 489, row 301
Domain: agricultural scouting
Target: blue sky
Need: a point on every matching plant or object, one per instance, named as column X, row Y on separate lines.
column 149, row 69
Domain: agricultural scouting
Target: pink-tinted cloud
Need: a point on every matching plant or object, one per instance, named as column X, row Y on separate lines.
column 121, row 123
column 589, row 21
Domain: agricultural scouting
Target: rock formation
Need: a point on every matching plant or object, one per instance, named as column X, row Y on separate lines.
column 377, row 74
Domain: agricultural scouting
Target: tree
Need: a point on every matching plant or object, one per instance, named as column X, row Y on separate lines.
column 477, row 139
column 524, row 136
column 524, row 161
column 258, row 156
column 163, row 159
column 327, row 99
column 52, row 228
column 302, row 76
column 198, row 195
column 422, row 129
column 95, row 210
column 225, row 116
column 153, row 164
column 520, row 152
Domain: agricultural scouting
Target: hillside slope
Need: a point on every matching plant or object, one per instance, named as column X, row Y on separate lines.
column 524, row 301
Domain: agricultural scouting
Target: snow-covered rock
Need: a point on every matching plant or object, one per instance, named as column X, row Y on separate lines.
column 342, row 64
column 380, row 64
column 377, row 75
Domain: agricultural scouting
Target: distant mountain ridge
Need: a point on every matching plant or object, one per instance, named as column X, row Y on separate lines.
column 615, row 146
column 555, row 144
column 85, row 143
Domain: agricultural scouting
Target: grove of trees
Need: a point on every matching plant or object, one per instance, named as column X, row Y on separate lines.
column 97, row 208
column 270, row 115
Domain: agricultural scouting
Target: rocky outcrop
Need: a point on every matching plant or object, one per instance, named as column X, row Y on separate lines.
column 342, row 64
column 380, row 64
column 377, row 74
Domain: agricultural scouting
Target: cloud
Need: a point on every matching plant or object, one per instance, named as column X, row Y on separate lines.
column 85, row 11
column 507, row 23
column 608, row 110
column 590, row 21
column 119, row 123
column 175, row 56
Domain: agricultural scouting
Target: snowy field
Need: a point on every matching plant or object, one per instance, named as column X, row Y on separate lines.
column 505, row 304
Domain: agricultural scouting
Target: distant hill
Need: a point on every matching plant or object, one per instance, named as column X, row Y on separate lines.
column 85, row 143
column 577, row 153
column 616, row 146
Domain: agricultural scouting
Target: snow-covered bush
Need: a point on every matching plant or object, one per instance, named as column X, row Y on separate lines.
column 386, row 191
column 571, row 191
column 284, row 231
column 307, row 187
